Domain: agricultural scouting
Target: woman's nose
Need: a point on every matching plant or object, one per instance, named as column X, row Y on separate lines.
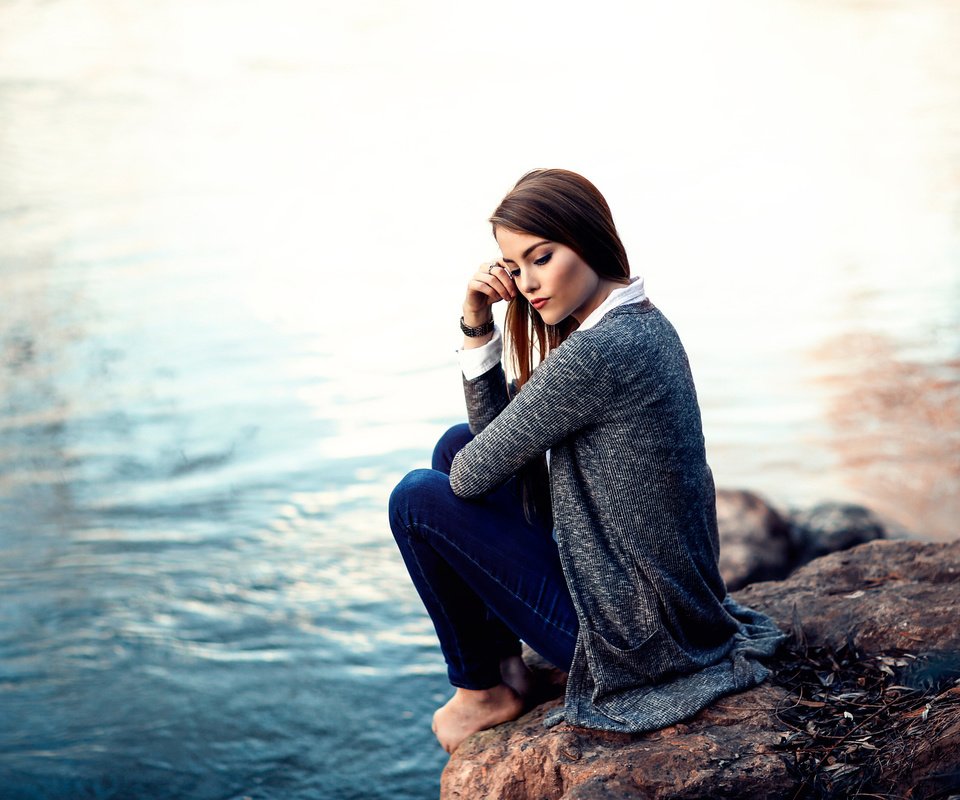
column 525, row 283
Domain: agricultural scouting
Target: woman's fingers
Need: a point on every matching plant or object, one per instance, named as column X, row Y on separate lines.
column 480, row 288
column 499, row 285
column 488, row 285
column 500, row 272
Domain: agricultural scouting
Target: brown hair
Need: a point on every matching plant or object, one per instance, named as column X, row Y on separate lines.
column 563, row 207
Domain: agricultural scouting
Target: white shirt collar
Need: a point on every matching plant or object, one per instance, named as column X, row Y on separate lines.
column 632, row 293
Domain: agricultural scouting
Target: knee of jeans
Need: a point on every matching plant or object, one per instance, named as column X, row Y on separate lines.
column 449, row 445
column 411, row 494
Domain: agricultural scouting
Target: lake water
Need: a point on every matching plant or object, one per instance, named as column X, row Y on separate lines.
column 234, row 238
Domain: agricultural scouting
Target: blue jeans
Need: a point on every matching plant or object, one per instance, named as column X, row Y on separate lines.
column 487, row 577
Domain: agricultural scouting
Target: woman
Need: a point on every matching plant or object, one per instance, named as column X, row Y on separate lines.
column 604, row 558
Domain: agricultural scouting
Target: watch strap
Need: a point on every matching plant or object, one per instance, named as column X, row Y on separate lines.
column 479, row 330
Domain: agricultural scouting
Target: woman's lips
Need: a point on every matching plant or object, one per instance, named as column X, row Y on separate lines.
column 539, row 303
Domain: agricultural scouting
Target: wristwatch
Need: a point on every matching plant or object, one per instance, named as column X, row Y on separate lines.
column 480, row 330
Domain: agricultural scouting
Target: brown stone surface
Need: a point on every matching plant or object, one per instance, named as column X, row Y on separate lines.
column 760, row 543
column 755, row 542
column 522, row 760
column 831, row 527
column 882, row 595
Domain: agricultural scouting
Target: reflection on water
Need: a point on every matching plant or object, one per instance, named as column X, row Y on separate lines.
column 895, row 423
column 233, row 242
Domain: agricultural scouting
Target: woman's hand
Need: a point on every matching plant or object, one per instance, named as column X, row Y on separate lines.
column 488, row 285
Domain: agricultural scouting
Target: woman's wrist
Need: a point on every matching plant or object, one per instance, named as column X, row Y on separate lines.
column 476, row 330
column 474, row 319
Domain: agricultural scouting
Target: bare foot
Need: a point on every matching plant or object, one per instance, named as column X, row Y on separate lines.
column 516, row 674
column 472, row 710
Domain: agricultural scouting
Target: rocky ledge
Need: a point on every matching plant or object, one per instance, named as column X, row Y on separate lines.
column 865, row 701
column 759, row 542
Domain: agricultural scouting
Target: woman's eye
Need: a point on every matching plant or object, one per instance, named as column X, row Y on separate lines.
column 543, row 259
column 515, row 273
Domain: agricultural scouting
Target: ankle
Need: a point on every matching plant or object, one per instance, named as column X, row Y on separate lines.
column 493, row 694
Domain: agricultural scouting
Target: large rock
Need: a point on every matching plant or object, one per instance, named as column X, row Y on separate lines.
column 883, row 596
column 760, row 543
column 831, row 527
column 755, row 539
column 524, row 761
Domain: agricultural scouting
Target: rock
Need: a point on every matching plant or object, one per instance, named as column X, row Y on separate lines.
column 760, row 543
column 831, row 527
column 884, row 596
column 522, row 760
column 755, row 540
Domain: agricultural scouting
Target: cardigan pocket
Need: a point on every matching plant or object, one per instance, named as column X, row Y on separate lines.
column 616, row 671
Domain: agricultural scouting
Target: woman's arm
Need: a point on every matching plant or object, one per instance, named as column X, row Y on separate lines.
column 490, row 284
column 486, row 396
column 567, row 392
column 485, row 390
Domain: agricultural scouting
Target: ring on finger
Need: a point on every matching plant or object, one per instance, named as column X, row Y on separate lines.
column 490, row 268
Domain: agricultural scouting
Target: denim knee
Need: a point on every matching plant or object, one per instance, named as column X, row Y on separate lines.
column 412, row 493
column 449, row 445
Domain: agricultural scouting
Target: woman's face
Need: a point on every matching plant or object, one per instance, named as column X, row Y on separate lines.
column 553, row 278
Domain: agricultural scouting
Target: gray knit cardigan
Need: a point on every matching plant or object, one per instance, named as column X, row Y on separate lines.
column 634, row 510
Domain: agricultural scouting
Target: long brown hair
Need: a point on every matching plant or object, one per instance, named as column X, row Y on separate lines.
column 563, row 207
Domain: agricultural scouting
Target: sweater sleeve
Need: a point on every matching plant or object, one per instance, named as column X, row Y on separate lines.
column 567, row 392
column 475, row 361
column 486, row 396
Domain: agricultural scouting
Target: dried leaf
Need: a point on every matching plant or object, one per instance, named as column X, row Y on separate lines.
column 799, row 636
column 845, row 769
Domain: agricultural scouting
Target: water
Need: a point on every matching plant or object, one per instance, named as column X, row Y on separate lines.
column 233, row 244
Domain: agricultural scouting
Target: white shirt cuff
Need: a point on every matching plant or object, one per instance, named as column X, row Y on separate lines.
column 475, row 361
